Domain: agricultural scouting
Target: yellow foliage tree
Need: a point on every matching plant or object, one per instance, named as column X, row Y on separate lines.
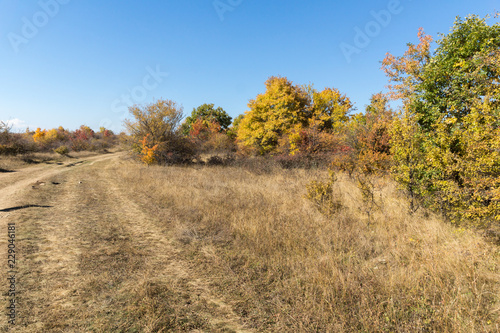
column 272, row 114
column 39, row 135
column 48, row 137
column 329, row 110
column 285, row 110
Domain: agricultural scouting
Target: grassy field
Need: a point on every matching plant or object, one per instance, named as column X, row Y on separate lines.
column 110, row 245
column 284, row 266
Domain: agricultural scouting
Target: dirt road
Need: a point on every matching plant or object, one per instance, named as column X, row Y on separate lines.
column 89, row 259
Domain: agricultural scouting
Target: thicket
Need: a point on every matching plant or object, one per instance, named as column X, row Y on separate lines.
column 58, row 140
column 446, row 139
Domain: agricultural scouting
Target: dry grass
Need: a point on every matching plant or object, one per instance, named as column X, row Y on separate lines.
column 110, row 245
column 284, row 266
column 91, row 260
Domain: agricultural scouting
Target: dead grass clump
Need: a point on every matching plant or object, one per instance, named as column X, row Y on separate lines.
column 285, row 266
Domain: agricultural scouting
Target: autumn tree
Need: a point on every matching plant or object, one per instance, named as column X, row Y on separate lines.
column 206, row 114
column 272, row 114
column 444, row 141
column 405, row 72
column 368, row 136
column 81, row 138
column 160, row 120
column 157, row 125
column 329, row 110
column 39, row 135
column 288, row 114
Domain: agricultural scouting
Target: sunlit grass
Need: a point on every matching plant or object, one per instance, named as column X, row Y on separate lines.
column 285, row 266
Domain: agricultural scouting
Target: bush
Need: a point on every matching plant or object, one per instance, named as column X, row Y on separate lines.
column 323, row 196
column 176, row 150
column 14, row 144
column 79, row 144
column 62, row 150
column 156, row 135
column 13, row 149
column 218, row 160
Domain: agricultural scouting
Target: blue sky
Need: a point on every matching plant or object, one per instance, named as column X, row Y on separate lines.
column 74, row 62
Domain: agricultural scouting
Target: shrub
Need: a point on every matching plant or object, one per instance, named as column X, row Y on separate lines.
column 210, row 139
column 78, row 144
column 323, row 196
column 148, row 151
column 12, row 143
column 177, row 150
column 215, row 160
column 62, row 150
column 4, row 133
column 158, row 124
column 446, row 142
column 13, row 149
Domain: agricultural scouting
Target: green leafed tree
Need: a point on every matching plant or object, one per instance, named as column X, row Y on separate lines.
column 207, row 113
column 232, row 131
column 445, row 141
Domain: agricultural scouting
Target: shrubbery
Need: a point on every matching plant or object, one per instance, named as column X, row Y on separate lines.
column 446, row 140
column 156, row 133
column 58, row 140
column 62, row 150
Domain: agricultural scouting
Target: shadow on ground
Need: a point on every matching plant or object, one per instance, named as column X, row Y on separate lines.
column 11, row 209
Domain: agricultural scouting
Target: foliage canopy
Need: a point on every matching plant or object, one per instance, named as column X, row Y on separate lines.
column 285, row 109
column 446, row 140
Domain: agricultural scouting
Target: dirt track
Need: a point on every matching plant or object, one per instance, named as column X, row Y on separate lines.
column 89, row 259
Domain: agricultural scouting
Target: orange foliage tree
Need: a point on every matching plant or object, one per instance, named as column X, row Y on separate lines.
column 148, row 151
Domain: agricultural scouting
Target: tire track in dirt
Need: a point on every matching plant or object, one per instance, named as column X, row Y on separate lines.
column 41, row 252
column 163, row 259
column 48, row 244
column 95, row 262
column 13, row 184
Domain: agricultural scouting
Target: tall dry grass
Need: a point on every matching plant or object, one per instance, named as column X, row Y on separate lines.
column 285, row 266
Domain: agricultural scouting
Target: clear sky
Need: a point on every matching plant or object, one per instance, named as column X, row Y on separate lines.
column 74, row 62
